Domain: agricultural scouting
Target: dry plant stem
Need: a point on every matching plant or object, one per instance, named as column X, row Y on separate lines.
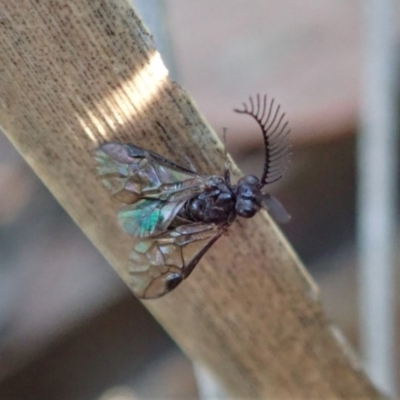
column 77, row 73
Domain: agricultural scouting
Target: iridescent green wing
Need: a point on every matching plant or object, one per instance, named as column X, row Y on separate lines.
column 159, row 264
column 148, row 217
column 132, row 173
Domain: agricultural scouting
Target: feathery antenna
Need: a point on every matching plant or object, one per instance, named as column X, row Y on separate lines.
column 275, row 131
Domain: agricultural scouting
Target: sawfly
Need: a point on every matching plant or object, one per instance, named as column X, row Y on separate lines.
column 177, row 214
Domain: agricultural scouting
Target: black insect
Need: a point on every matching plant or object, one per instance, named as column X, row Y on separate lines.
column 178, row 214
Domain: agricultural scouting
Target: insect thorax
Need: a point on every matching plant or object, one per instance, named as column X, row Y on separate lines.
column 216, row 204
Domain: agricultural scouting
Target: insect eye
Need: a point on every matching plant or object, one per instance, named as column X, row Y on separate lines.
column 250, row 180
column 248, row 191
column 246, row 208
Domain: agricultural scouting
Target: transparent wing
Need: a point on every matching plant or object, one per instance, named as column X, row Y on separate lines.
column 148, row 217
column 159, row 264
column 131, row 173
column 275, row 209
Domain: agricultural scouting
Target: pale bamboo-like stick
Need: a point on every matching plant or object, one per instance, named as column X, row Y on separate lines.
column 77, row 73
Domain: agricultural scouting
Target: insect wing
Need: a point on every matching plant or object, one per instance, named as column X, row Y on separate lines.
column 148, row 217
column 158, row 265
column 131, row 173
column 275, row 208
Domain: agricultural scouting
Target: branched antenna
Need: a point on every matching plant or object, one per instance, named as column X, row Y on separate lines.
column 275, row 131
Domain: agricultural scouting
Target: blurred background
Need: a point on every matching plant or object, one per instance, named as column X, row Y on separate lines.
column 70, row 329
